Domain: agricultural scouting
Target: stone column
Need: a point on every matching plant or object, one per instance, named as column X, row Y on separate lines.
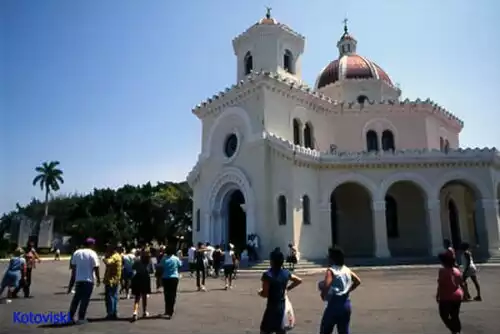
column 434, row 227
column 380, row 230
column 489, row 225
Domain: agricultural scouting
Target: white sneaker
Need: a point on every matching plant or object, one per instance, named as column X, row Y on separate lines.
column 73, row 291
column 8, row 301
column 145, row 314
column 128, row 295
column 134, row 316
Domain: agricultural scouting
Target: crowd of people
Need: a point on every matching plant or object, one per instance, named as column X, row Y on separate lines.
column 129, row 273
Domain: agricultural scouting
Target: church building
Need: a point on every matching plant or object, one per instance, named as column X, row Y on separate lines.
column 346, row 162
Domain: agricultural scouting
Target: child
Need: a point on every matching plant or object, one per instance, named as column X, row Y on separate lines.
column 141, row 283
column 470, row 271
column 449, row 293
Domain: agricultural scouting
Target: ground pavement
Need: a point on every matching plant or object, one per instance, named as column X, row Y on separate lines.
column 389, row 301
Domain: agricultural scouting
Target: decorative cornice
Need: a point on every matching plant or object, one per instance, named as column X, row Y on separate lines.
column 477, row 157
column 315, row 100
column 399, row 159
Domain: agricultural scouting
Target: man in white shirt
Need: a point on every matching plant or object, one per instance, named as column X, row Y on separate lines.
column 210, row 258
column 84, row 264
column 191, row 260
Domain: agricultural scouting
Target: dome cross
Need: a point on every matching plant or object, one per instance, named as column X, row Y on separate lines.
column 344, row 21
column 268, row 12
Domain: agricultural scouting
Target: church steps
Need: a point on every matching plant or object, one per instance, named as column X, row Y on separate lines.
column 310, row 264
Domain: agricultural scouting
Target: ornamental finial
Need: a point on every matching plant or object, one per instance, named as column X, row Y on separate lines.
column 268, row 12
column 345, row 25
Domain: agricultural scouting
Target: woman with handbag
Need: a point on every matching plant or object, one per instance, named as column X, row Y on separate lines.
column 274, row 289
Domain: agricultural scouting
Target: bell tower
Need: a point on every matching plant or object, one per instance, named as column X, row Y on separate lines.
column 269, row 46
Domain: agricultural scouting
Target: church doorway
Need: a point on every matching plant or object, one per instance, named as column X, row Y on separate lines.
column 236, row 226
column 453, row 218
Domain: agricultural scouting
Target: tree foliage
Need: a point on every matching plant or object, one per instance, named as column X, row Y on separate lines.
column 145, row 212
column 49, row 178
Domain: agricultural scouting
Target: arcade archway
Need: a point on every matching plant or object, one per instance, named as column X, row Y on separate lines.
column 352, row 219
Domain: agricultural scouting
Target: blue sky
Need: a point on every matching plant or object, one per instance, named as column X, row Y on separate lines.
column 107, row 87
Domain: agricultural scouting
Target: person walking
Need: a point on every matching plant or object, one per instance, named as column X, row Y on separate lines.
column 141, row 283
column 192, row 260
column 335, row 290
column 31, row 257
column 84, row 265
column 15, row 273
column 449, row 293
column 229, row 266
column 201, row 266
column 470, row 271
column 171, row 265
column 112, row 279
column 274, row 289
column 128, row 272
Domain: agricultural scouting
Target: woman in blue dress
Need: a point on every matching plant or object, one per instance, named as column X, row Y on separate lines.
column 339, row 282
column 274, row 288
column 16, row 271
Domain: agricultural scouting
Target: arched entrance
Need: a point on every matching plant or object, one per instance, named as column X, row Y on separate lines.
column 352, row 220
column 406, row 219
column 458, row 212
column 235, row 218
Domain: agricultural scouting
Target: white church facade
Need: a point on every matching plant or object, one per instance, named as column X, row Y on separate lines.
column 346, row 162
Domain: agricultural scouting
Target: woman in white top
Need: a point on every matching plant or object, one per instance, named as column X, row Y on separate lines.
column 339, row 282
column 470, row 271
column 229, row 265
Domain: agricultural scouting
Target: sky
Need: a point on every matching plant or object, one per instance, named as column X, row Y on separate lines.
column 107, row 87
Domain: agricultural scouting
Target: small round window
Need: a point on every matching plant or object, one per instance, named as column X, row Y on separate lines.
column 231, row 145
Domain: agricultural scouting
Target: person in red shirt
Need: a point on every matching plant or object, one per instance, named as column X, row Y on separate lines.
column 450, row 293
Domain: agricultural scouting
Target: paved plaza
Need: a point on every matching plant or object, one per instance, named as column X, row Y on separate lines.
column 389, row 301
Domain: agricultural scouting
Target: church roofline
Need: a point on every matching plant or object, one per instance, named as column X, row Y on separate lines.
column 399, row 159
column 319, row 101
column 273, row 26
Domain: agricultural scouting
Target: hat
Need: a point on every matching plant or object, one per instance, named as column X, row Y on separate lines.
column 90, row 241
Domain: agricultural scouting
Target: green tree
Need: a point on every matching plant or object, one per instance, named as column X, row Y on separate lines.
column 49, row 177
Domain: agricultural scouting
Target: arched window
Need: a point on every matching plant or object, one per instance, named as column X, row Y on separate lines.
column 248, row 63
column 282, row 210
column 296, row 131
column 371, row 141
column 288, row 62
column 306, row 210
column 441, row 143
column 388, row 140
column 391, row 217
column 308, row 136
column 198, row 220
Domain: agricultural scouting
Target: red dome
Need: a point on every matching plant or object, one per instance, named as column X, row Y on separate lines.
column 351, row 66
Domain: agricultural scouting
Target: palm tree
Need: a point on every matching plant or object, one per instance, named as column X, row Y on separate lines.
column 49, row 177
